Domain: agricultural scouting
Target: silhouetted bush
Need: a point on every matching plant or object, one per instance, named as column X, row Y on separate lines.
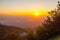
column 51, row 25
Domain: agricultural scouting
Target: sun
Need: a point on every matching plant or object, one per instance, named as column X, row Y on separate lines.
column 37, row 13
column 40, row 13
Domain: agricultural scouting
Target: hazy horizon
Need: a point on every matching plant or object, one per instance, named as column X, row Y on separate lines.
column 22, row 21
column 25, row 13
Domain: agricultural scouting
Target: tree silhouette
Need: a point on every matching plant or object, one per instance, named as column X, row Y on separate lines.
column 51, row 25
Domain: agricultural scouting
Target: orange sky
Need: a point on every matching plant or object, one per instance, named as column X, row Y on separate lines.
column 26, row 7
column 24, row 13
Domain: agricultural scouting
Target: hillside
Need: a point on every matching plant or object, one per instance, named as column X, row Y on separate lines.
column 10, row 32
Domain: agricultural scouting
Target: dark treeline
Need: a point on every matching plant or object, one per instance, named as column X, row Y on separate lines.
column 49, row 29
column 51, row 26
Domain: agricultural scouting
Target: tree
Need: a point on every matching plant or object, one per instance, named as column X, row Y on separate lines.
column 51, row 25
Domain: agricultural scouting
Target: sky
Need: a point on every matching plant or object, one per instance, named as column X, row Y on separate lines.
column 26, row 5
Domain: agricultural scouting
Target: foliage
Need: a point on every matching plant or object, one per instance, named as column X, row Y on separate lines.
column 51, row 25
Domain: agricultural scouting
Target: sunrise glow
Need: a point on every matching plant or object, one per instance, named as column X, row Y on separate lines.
column 36, row 13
